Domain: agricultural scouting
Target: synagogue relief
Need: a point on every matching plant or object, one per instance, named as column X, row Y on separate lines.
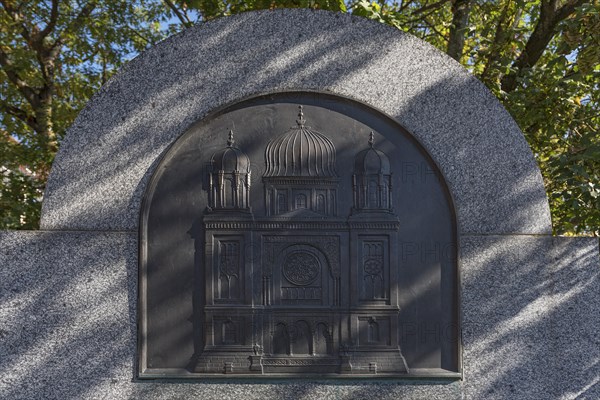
column 306, row 321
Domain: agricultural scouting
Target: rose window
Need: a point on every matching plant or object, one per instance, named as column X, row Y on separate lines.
column 301, row 268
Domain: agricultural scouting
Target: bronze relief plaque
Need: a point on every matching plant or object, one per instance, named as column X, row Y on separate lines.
column 298, row 235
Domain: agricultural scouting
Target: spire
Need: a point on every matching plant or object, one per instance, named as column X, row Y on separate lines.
column 230, row 141
column 300, row 121
column 371, row 139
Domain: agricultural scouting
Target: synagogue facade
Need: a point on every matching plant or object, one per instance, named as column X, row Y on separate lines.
column 316, row 294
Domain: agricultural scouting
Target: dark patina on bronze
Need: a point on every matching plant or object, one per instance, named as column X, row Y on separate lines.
column 324, row 248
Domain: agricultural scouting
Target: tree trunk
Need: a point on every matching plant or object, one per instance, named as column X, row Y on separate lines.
column 43, row 114
column 458, row 29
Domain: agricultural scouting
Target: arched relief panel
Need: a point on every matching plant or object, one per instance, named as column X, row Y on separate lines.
column 348, row 226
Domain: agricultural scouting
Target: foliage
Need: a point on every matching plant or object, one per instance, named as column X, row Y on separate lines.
column 555, row 101
column 53, row 56
column 541, row 58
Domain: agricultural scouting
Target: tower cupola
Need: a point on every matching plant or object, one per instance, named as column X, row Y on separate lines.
column 229, row 179
column 372, row 180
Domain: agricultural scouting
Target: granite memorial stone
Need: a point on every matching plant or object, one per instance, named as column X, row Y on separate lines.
column 398, row 228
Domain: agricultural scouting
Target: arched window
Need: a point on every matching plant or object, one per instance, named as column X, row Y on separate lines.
column 321, row 204
column 372, row 193
column 385, row 201
column 281, row 203
column 281, row 340
column 373, row 331
column 229, row 332
column 228, row 192
column 301, row 201
column 322, row 340
column 302, row 339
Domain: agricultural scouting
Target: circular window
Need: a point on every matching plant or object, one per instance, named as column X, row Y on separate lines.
column 301, row 268
column 373, row 267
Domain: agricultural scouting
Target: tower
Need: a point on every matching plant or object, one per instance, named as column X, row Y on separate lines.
column 374, row 249
column 227, row 339
column 372, row 181
column 229, row 179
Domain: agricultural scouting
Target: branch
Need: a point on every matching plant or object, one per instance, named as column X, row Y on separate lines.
column 91, row 56
column 7, row 136
column 568, row 9
column 19, row 114
column 17, row 17
column 52, row 23
column 543, row 33
column 76, row 23
column 494, row 52
column 404, row 5
column 434, row 29
column 34, row 37
column 433, row 6
column 420, row 18
column 136, row 33
column 185, row 20
column 24, row 88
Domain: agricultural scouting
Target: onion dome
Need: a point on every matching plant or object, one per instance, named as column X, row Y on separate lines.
column 230, row 158
column 300, row 151
column 371, row 161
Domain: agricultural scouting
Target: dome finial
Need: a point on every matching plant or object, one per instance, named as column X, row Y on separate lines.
column 300, row 121
column 371, row 139
column 230, row 141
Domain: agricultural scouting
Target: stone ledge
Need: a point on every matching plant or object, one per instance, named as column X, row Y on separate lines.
column 68, row 306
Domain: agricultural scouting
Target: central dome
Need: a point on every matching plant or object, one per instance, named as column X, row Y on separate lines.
column 300, row 152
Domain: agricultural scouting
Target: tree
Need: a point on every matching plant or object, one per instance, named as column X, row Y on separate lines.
column 541, row 58
column 53, row 56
